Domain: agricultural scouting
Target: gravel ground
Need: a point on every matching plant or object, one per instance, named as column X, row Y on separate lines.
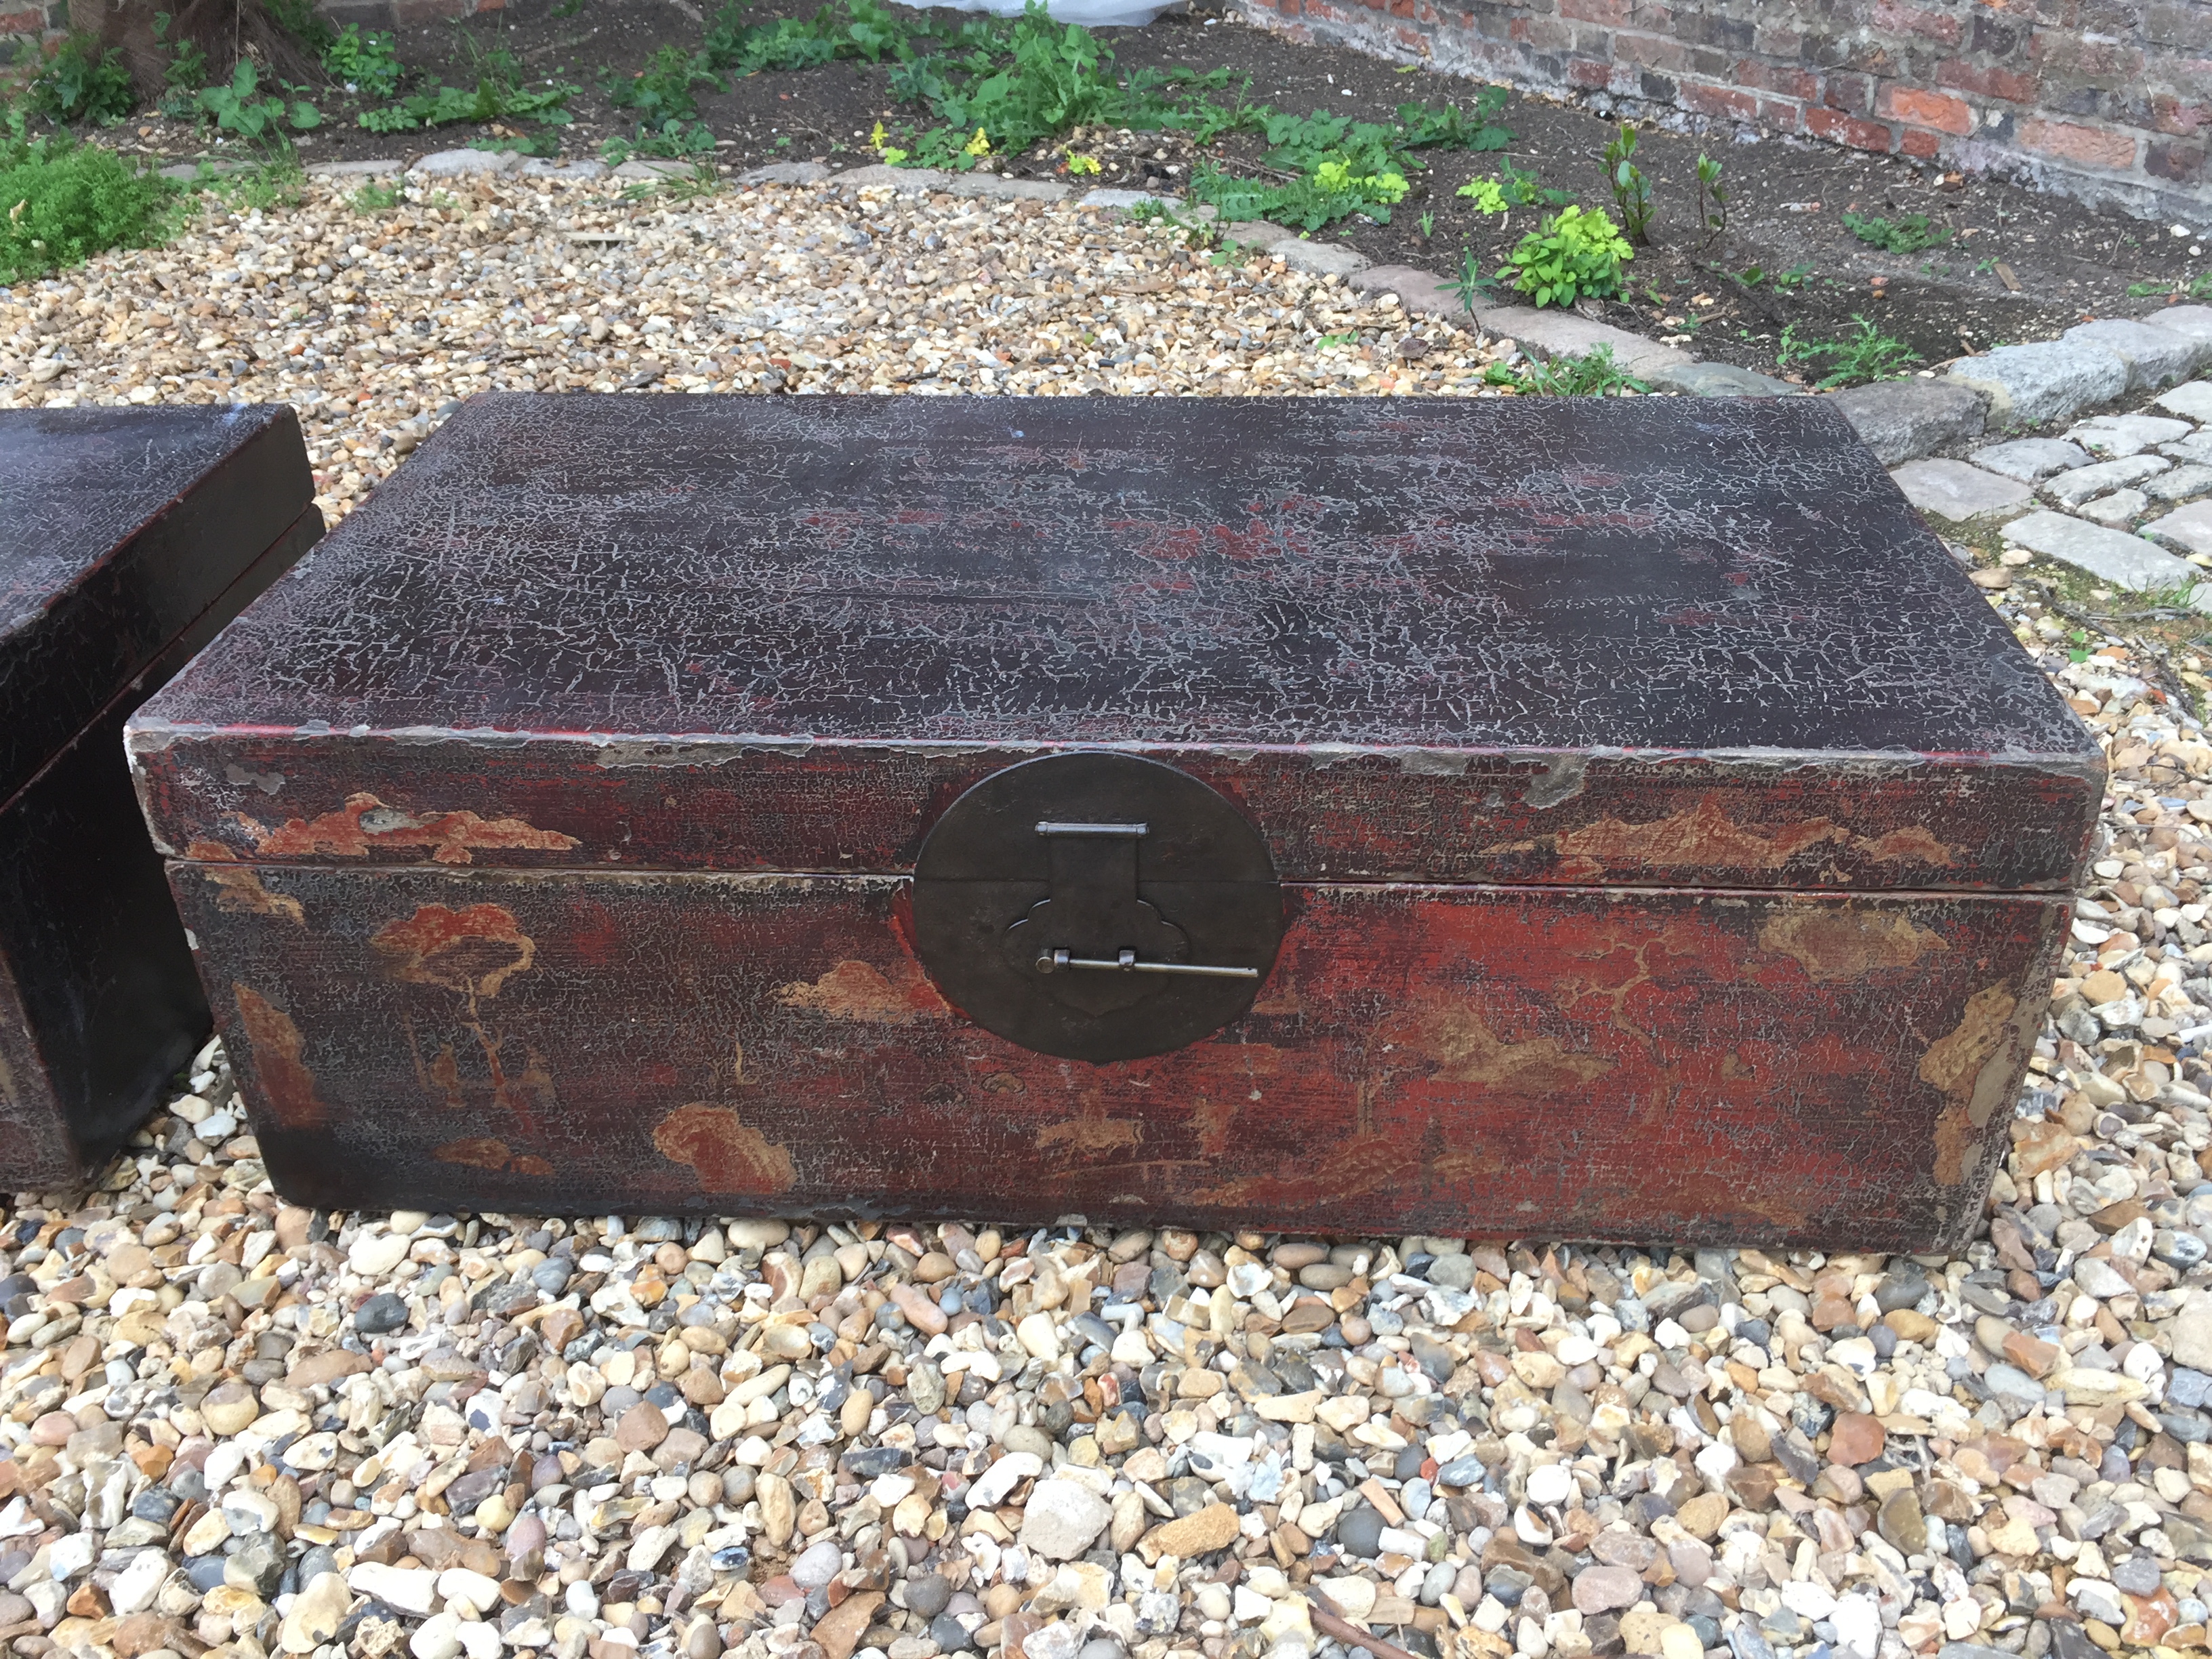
column 234, row 1424
column 372, row 323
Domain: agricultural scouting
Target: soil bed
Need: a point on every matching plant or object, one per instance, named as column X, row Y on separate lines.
column 2013, row 264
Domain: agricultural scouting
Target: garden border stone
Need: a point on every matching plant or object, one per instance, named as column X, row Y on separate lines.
column 1904, row 420
column 2156, row 357
column 2125, row 561
column 2050, row 381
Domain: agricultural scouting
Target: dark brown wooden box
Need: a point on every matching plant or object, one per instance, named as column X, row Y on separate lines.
column 1625, row 819
column 128, row 538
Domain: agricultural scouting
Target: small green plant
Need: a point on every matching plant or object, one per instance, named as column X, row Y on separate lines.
column 1472, row 284
column 1594, row 374
column 365, row 64
column 184, row 75
column 378, row 196
column 241, row 105
column 492, row 100
column 81, row 82
column 299, row 20
column 1328, row 342
column 2201, row 287
column 1712, row 199
column 1574, row 253
column 65, row 201
column 1908, row 234
column 661, row 91
column 673, row 140
column 1509, row 188
column 1632, row 192
column 1866, row 355
column 1428, row 226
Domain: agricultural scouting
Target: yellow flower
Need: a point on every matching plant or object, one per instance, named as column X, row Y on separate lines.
column 1082, row 166
column 876, row 139
column 980, row 144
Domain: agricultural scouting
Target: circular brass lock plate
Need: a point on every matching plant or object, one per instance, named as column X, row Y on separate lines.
column 1097, row 906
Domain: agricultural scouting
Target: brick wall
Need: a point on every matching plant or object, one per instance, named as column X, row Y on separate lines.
column 2103, row 99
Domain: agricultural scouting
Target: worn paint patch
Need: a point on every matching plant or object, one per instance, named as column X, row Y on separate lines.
column 727, row 1156
column 1091, row 1137
column 473, row 950
column 1973, row 1064
column 1912, row 845
column 1467, row 1051
column 204, row 851
column 1834, row 943
column 860, row 991
column 276, row 1046
column 1351, row 1167
column 365, row 823
column 1562, row 781
column 239, row 892
column 487, row 1153
column 1702, row 836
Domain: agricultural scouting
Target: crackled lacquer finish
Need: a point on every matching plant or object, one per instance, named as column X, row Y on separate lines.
column 1675, row 641
column 1486, row 1060
column 128, row 537
column 546, row 844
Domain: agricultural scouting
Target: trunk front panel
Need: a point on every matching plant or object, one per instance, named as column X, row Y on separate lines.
column 1557, row 1062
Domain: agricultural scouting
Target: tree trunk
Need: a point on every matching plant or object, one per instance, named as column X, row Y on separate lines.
column 225, row 30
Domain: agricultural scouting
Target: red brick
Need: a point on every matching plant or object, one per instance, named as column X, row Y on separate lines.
column 1851, row 94
column 1927, row 109
column 2070, row 141
column 1785, row 78
column 22, row 22
column 1652, row 50
column 1986, row 80
column 1919, row 142
column 1896, row 18
column 1842, row 128
column 2170, row 114
column 2183, row 163
column 1720, row 101
column 1589, row 74
column 1613, row 13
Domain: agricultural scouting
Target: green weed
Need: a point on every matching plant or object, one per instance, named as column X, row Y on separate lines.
column 1594, row 374
column 80, row 82
column 1907, row 234
column 1472, row 284
column 62, row 201
column 1712, row 199
column 364, row 64
column 184, row 75
column 673, row 140
column 1510, row 188
column 1867, row 354
column 1632, row 192
column 242, row 105
column 497, row 95
column 378, row 196
column 661, row 91
column 1573, row 254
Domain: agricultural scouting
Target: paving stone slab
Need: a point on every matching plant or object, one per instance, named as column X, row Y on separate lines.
column 1956, row 492
column 2031, row 459
column 2125, row 561
column 465, row 164
column 638, row 167
column 2182, row 483
column 1263, row 233
column 1904, row 420
column 1421, row 292
column 1548, row 334
column 378, row 168
column 2050, row 381
column 2112, row 436
column 2120, row 509
column 1702, row 379
column 2156, row 357
column 540, row 167
column 2188, row 527
column 880, row 177
column 2085, row 482
column 989, row 187
column 1322, row 259
column 2195, row 448
column 785, row 173
column 1126, row 199
column 2185, row 319
column 2192, row 402
column 189, row 170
